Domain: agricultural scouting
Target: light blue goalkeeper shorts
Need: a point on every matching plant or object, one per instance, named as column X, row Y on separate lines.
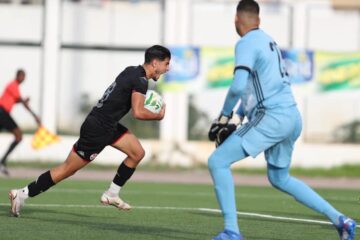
column 272, row 131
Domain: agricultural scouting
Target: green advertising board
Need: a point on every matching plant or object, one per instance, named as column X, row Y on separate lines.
column 335, row 71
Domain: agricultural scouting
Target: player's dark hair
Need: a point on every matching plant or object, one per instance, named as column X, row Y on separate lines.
column 249, row 6
column 20, row 71
column 157, row 52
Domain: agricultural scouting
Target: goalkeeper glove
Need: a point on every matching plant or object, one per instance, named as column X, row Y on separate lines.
column 217, row 124
column 224, row 133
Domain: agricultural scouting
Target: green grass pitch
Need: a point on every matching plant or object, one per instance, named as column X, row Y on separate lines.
column 71, row 210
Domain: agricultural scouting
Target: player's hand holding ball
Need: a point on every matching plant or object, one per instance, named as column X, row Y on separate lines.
column 154, row 103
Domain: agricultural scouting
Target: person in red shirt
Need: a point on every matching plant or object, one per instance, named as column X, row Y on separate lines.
column 8, row 99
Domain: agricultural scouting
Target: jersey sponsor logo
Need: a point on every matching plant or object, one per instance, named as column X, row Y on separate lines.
column 93, row 156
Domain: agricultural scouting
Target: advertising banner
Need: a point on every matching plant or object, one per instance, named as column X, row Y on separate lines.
column 194, row 69
column 218, row 65
column 336, row 71
column 184, row 68
column 299, row 65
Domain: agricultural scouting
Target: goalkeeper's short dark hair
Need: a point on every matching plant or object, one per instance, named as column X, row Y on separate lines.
column 250, row 6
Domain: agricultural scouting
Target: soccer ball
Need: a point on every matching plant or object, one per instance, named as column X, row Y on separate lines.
column 153, row 101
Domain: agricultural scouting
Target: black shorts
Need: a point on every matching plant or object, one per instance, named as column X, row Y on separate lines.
column 94, row 137
column 6, row 121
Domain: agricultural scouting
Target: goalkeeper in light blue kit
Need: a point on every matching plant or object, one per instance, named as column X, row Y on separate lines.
column 262, row 85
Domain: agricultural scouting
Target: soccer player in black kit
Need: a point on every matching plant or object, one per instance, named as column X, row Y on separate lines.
column 102, row 128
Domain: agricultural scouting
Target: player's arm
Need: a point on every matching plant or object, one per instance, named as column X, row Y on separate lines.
column 237, row 88
column 140, row 112
column 25, row 102
column 244, row 60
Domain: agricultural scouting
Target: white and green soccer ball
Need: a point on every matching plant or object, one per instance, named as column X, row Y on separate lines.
column 153, row 101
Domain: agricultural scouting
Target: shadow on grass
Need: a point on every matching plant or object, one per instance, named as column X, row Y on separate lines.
column 251, row 222
column 101, row 223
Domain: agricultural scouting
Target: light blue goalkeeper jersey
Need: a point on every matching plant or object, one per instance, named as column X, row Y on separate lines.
column 268, row 83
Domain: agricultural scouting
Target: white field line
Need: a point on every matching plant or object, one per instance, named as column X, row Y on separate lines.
column 211, row 210
column 203, row 194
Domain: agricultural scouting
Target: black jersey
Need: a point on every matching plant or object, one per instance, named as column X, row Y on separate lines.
column 116, row 101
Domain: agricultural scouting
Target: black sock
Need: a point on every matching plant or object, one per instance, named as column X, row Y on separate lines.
column 123, row 174
column 43, row 183
column 10, row 149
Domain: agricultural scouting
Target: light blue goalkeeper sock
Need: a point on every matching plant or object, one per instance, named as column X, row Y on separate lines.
column 280, row 178
column 225, row 194
column 219, row 165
